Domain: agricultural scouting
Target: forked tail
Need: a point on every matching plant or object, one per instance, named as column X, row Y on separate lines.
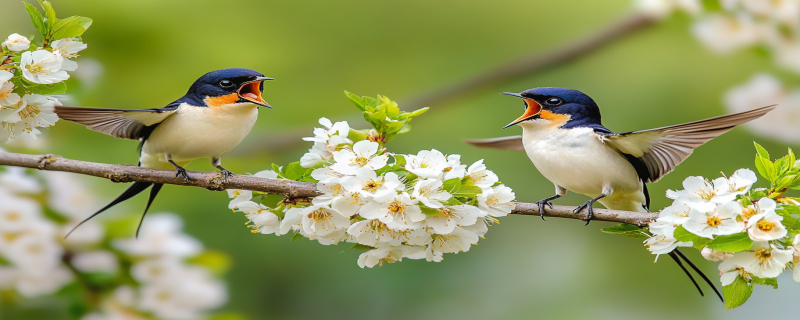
column 134, row 189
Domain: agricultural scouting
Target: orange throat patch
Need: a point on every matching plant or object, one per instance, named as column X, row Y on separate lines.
column 216, row 102
column 556, row 120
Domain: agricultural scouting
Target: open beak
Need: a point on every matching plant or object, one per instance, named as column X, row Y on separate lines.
column 251, row 92
column 532, row 109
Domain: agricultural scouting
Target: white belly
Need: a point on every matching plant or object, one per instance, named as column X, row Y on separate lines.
column 196, row 132
column 578, row 161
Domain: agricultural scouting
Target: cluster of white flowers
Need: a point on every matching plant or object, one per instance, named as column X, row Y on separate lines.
column 22, row 111
column 36, row 260
column 711, row 209
column 419, row 206
column 169, row 288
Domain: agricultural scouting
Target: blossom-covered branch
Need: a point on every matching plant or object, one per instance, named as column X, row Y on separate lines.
column 288, row 188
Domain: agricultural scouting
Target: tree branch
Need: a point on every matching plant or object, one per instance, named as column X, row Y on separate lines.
column 288, row 188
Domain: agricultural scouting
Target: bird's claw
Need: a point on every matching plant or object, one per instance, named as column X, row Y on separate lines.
column 182, row 172
column 586, row 205
column 226, row 174
column 541, row 204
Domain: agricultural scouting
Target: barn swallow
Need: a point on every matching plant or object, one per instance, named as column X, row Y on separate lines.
column 212, row 118
column 564, row 138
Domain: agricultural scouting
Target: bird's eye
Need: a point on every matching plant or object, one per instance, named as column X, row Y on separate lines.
column 553, row 101
column 226, row 83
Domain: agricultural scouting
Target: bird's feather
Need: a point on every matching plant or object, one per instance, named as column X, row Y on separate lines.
column 120, row 123
column 503, row 143
column 662, row 149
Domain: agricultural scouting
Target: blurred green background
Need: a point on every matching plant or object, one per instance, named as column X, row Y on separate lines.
column 151, row 51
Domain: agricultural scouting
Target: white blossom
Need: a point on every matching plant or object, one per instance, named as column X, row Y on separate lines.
column 725, row 33
column 340, row 199
column 480, row 176
column 161, row 236
column 453, row 168
column 729, row 271
column 68, row 47
column 320, row 221
column 452, row 217
column 42, row 66
column 763, row 260
column 264, row 220
column 497, row 201
column 714, row 255
column 363, row 154
column 701, row 194
column 398, row 211
column 719, row 221
column 426, row 164
column 766, row 225
column 459, row 240
column 388, row 254
column 429, row 192
column 95, row 261
column 34, row 111
column 16, row 42
column 7, row 97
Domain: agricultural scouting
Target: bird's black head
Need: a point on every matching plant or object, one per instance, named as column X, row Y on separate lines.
column 564, row 108
column 227, row 86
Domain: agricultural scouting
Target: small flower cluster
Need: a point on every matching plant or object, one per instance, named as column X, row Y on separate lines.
column 755, row 232
column 30, row 72
column 394, row 206
column 159, row 274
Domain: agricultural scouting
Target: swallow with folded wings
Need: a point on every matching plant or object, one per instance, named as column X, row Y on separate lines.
column 217, row 112
column 564, row 138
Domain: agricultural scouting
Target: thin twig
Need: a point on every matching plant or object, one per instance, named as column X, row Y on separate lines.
column 288, row 188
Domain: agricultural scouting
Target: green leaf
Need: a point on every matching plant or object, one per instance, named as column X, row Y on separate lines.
column 453, row 201
column 297, row 236
column 792, row 158
column 681, row 234
column 766, row 282
column 788, row 213
column 428, row 211
column 392, row 110
column 370, row 103
column 626, row 229
column 49, row 14
column 36, row 19
column 731, row 243
column 737, row 293
column 399, row 160
column 70, row 27
column 700, row 243
column 767, row 169
column 785, row 182
column 468, row 191
column 277, row 169
column 43, row 89
column 358, row 135
column 357, row 100
column 408, row 115
column 294, row 171
column 761, row 151
column 451, row 185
